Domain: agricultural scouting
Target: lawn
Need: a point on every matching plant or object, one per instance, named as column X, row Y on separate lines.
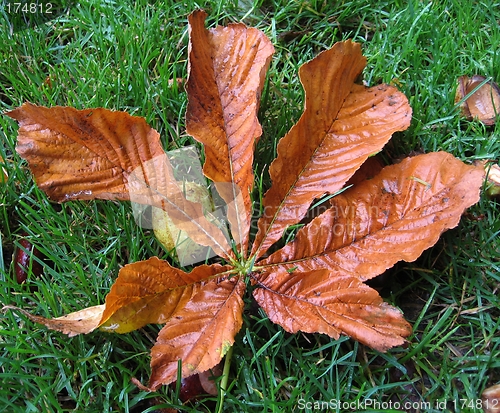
column 121, row 55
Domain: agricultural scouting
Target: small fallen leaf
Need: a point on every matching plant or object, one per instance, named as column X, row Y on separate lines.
column 48, row 81
column 491, row 399
column 493, row 171
column 178, row 82
column 483, row 104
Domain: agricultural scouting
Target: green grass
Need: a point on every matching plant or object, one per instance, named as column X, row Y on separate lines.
column 120, row 55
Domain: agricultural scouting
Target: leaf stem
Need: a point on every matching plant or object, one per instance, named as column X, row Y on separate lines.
column 225, row 377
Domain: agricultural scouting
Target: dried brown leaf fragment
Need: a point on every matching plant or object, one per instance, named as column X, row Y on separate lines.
column 479, row 98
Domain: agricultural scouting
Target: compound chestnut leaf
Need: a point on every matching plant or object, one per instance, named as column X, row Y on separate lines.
column 315, row 282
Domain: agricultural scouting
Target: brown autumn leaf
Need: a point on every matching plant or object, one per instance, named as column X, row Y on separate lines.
column 330, row 302
column 329, row 143
column 78, row 322
column 102, row 154
column 491, row 399
column 227, row 66
column 483, row 103
column 85, row 154
column 201, row 333
column 151, row 292
column 314, row 283
column 392, row 217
